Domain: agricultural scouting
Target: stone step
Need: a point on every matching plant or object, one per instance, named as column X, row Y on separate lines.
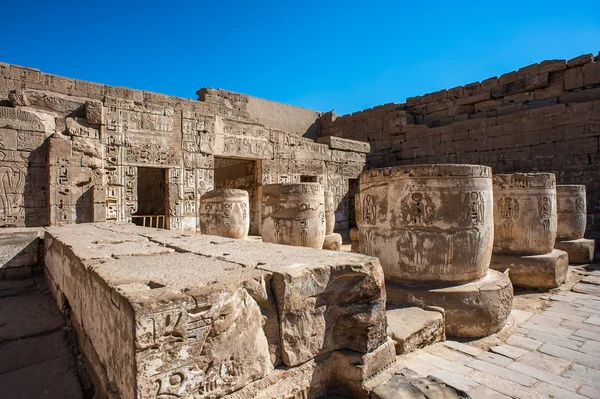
column 404, row 386
column 412, row 328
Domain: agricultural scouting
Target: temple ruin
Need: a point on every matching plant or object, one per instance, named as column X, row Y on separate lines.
column 235, row 247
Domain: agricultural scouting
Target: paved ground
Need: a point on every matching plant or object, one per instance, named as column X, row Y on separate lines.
column 549, row 349
column 35, row 360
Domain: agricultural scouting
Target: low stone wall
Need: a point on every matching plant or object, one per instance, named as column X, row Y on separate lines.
column 161, row 313
column 21, row 252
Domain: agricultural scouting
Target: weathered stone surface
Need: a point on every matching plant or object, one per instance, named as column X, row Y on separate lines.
column 413, row 328
column 196, row 322
column 329, row 213
column 524, row 213
column 338, row 143
column 428, row 223
column 94, row 112
column 571, row 212
column 293, row 214
column 580, row 251
column 534, row 271
column 19, row 251
column 225, row 212
column 333, row 242
column 475, row 309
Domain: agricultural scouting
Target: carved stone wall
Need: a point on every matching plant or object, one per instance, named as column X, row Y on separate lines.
column 64, row 141
column 542, row 118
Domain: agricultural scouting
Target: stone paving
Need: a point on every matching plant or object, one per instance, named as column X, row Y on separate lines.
column 554, row 353
column 35, row 357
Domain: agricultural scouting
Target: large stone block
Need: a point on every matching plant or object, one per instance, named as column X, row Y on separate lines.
column 580, row 251
column 19, row 251
column 205, row 316
column 534, row 271
column 571, row 211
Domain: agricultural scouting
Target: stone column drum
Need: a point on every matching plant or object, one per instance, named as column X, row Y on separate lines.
column 293, row 214
column 329, row 213
column 225, row 212
column 525, row 230
column 430, row 223
column 525, row 213
column 572, row 214
column 431, row 226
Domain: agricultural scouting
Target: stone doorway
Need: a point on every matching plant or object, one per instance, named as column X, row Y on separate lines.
column 151, row 198
column 352, row 191
column 240, row 174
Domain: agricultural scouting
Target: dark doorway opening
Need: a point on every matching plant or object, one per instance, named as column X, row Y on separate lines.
column 242, row 174
column 151, row 198
column 308, row 179
column 352, row 192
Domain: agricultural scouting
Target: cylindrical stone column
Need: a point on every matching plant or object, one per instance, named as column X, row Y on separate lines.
column 571, row 211
column 225, row 212
column 293, row 214
column 428, row 223
column 524, row 213
column 329, row 213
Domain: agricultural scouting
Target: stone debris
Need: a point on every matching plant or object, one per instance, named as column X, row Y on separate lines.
column 413, row 328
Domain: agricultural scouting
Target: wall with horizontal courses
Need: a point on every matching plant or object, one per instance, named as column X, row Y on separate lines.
column 543, row 117
column 70, row 149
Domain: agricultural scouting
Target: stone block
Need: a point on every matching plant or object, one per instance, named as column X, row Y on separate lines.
column 19, row 251
column 214, row 316
column 333, row 242
column 591, row 74
column 338, row 143
column 580, row 60
column 475, row 309
column 552, row 66
column 94, row 112
column 413, row 328
column 574, row 78
column 580, row 251
column 534, row 271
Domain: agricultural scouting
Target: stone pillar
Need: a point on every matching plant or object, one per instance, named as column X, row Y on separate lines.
column 525, row 230
column 572, row 214
column 431, row 226
column 225, row 212
column 293, row 214
column 333, row 241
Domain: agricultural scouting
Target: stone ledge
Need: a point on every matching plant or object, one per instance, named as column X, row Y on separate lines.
column 534, row 271
column 580, row 251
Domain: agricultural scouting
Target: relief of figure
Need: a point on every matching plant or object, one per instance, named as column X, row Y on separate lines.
column 475, row 208
column 417, row 208
column 580, row 205
column 545, row 209
column 508, row 208
column 369, row 208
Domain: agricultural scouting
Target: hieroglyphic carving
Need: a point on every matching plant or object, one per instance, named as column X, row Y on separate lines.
column 545, row 211
column 475, row 205
column 525, row 180
column 418, row 209
column 131, row 204
column 508, row 208
column 12, row 184
column 369, row 209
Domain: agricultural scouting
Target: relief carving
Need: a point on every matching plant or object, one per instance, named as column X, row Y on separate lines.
column 417, row 208
column 475, row 208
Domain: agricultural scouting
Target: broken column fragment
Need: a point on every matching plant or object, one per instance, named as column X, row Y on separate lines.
column 431, row 226
column 525, row 230
column 571, row 223
column 208, row 317
column 225, row 212
column 293, row 214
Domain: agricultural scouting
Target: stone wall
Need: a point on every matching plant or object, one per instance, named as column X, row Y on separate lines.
column 70, row 149
column 543, row 117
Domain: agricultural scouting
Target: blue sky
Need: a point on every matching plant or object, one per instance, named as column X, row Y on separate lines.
column 323, row 55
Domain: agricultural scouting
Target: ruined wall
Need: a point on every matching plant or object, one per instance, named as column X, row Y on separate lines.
column 70, row 149
column 543, row 117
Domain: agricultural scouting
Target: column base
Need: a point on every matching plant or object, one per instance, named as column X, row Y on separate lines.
column 475, row 309
column 534, row 271
column 580, row 251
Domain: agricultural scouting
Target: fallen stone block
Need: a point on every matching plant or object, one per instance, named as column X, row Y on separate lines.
column 413, row 328
column 580, row 251
column 534, row 271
